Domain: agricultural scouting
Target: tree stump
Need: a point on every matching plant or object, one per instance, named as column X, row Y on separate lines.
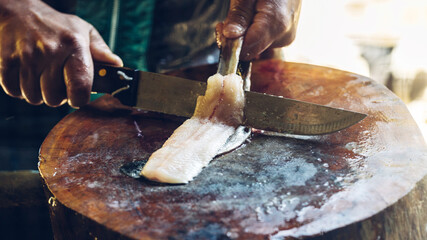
column 364, row 182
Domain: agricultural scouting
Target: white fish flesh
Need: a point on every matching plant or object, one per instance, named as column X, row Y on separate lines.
column 196, row 142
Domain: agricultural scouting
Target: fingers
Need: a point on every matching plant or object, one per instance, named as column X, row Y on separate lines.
column 78, row 67
column 51, row 80
column 239, row 18
column 269, row 24
column 78, row 75
column 30, row 63
column 9, row 76
column 258, row 38
column 46, row 56
column 53, row 86
column 53, row 75
column 30, row 85
column 265, row 23
column 100, row 51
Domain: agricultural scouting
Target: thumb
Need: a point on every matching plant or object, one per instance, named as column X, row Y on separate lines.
column 100, row 50
column 239, row 18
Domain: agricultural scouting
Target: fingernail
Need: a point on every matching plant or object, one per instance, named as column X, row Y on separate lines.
column 233, row 30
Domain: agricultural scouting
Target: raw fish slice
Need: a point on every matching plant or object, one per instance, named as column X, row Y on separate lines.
column 196, row 142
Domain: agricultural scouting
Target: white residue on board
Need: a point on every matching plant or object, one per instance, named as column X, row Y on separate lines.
column 124, row 205
column 277, row 209
column 295, row 172
column 338, row 179
column 94, row 184
column 351, row 146
column 95, row 137
column 273, row 213
column 117, row 204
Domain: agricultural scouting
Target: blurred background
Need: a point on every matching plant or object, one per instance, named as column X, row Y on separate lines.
column 382, row 39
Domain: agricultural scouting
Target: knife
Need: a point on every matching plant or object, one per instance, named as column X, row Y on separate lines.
column 178, row 96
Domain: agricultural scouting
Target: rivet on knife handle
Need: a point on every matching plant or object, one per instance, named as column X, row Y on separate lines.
column 118, row 81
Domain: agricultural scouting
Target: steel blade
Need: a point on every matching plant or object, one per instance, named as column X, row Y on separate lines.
column 284, row 115
column 168, row 94
column 178, row 96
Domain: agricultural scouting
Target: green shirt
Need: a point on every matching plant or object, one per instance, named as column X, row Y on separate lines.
column 124, row 25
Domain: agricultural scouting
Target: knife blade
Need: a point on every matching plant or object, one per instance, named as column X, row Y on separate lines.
column 178, row 96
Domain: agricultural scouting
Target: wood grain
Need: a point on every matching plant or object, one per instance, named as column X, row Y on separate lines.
column 346, row 185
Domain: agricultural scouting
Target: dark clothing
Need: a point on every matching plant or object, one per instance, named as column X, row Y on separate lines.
column 183, row 33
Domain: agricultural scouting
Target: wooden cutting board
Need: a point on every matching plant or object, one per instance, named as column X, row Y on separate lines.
column 346, row 185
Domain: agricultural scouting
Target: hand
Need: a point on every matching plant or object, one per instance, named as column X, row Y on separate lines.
column 265, row 24
column 47, row 56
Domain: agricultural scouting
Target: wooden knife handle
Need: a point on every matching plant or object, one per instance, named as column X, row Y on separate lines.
column 120, row 82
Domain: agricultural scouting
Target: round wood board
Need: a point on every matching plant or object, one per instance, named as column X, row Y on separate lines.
column 272, row 186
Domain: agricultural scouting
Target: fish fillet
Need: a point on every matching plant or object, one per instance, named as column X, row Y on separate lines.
column 196, row 142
